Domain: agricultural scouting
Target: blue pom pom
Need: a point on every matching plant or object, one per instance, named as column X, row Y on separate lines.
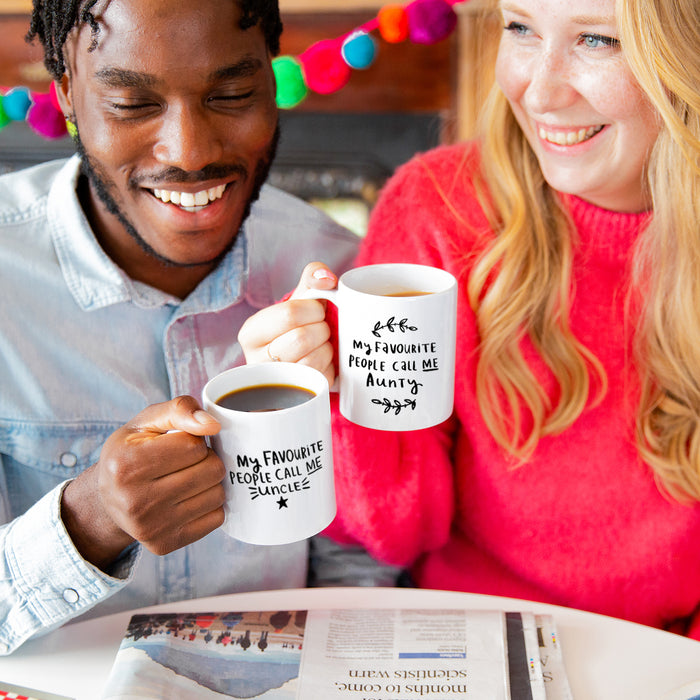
column 16, row 103
column 359, row 50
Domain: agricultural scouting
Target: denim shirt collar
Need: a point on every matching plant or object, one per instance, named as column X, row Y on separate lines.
column 95, row 281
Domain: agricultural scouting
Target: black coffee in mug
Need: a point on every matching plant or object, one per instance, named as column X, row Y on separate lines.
column 265, row 397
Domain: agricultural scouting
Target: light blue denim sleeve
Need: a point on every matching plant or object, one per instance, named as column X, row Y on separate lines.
column 44, row 582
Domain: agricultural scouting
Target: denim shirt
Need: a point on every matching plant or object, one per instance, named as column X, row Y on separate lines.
column 83, row 349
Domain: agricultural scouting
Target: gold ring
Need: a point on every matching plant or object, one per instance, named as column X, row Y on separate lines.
column 274, row 358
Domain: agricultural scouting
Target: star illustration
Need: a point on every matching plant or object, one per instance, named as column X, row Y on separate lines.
column 282, row 503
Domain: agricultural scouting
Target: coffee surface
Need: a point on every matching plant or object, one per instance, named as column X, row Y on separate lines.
column 407, row 293
column 265, row 397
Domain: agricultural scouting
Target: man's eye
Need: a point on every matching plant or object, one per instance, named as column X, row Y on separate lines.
column 598, row 41
column 231, row 97
column 131, row 106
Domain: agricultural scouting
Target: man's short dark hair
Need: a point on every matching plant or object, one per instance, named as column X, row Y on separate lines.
column 52, row 21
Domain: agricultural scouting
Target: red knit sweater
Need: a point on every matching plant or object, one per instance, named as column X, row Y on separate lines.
column 582, row 524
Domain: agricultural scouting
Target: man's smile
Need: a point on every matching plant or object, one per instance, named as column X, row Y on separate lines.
column 190, row 201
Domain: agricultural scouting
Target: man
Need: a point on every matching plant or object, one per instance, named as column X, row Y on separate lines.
column 126, row 273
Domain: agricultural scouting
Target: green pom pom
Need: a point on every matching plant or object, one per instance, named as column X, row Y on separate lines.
column 291, row 87
column 4, row 119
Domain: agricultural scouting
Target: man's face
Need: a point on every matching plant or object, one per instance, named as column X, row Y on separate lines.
column 177, row 121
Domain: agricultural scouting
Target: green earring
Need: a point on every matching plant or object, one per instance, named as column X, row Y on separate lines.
column 71, row 127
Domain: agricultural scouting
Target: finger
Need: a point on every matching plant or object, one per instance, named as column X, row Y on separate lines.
column 163, row 506
column 181, row 413
column 196, row 478
column 322, row 360
column 266, row 325
column 187, row 528
column 299, row 342
column 316, row 275
column 186, row 533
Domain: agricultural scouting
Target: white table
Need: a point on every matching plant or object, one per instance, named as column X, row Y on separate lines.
column 606, row 659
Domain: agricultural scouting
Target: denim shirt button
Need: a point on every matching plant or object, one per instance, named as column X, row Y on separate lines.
column 69, row 460
column 70, row 595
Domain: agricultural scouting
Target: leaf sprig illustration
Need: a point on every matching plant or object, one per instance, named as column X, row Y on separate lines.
column 393, row 325
column 396, row 406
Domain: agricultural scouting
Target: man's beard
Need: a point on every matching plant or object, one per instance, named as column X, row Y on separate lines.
column 102, row 188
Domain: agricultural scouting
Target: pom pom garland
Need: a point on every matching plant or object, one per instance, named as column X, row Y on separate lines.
column 392, row 22
column 291, row 88
column 4, row 119
column 54, row 97
column 45, row 119
column 430, row 21
column 325, row 71
column 16, row 103
column 327, row 65
column 41, row 111
column 323, row 67
column 359, row 50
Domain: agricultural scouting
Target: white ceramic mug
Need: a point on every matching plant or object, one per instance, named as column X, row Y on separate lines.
column 279, row 483
column 397, row 353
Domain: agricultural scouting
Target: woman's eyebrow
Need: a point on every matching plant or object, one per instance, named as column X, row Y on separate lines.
column 594, row 19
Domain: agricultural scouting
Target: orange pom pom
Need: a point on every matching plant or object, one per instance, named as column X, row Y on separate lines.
column 393, row 23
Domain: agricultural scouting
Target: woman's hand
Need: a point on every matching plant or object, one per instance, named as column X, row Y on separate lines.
column 294, row 330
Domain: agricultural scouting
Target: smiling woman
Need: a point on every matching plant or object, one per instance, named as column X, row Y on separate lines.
column 577, row 103
column 569, row 471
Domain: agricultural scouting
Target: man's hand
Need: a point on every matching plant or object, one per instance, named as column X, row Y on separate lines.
column 156, row 482
column 295, row 330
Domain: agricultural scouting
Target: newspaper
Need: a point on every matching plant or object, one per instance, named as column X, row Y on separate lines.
column 554, row 675
column 307, row 655
column 340, row 654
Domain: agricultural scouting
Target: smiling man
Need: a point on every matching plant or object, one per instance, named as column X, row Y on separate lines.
column 126, row 273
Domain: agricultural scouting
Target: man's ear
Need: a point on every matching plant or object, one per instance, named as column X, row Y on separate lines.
column 63, row 94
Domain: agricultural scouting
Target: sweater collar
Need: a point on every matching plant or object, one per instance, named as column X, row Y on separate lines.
column 603, row 234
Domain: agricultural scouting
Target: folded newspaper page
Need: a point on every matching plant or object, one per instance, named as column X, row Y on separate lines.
column 554, row 675
column 307, row 655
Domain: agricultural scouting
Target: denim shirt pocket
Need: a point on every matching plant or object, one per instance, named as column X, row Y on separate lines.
column 37, row 456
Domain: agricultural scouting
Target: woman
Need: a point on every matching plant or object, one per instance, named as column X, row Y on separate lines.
column 570, row 470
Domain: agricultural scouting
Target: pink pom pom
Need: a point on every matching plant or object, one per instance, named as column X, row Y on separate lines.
column 430, row 21
column 54, row 97
column 45, row 119
column 325, row 70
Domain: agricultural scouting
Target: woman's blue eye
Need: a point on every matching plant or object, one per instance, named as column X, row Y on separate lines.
column 516, row 28
column 597, row 41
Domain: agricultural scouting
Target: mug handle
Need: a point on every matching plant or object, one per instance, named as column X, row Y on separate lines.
column 329, row 294
column 332, row 296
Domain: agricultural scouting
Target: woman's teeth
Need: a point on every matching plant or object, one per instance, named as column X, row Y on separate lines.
column 190, row 201
column 568, row 138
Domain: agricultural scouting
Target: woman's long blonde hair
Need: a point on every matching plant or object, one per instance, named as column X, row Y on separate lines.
column 522, row 286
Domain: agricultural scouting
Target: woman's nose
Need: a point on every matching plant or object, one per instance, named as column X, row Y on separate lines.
column 551, row 84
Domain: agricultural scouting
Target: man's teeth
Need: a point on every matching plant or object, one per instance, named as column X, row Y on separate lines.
column 189, row 200
column 568, row 138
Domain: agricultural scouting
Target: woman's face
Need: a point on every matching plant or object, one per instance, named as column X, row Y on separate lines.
column 561, row 68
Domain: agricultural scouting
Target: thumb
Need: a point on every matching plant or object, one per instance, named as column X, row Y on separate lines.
column 182, row 413
column 316, row 275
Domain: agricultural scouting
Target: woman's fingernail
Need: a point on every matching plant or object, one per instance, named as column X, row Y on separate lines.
column 323, row 274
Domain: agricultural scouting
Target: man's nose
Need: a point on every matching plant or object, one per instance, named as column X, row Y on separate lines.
column 551, row 86
column 187, row 139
